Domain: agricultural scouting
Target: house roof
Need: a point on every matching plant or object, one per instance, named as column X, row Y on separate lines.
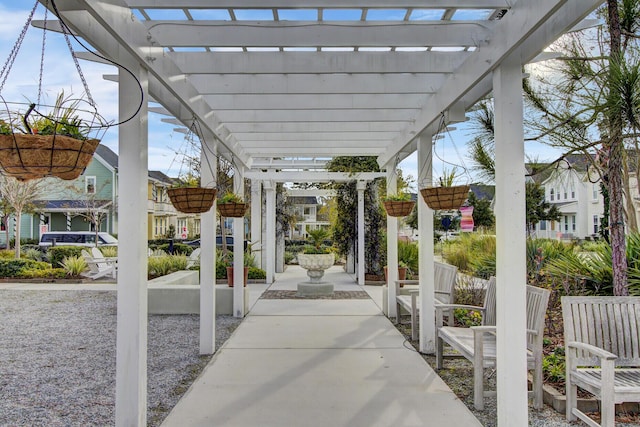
column 303, row 200
column 483, row 191
column 160, row 176
column 70, row 205
column 107, row 155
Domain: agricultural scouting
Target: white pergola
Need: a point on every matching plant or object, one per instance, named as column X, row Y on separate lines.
column 279, row 86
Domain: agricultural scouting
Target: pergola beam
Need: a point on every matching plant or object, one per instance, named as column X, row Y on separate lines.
column 317, row 62
column 318, row 33
column 285, row 4
column 316, row 102
column 312, row 176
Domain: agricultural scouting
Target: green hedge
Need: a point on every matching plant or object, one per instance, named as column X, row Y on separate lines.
column 17, row 267
column 257, row 273
column 58, row 253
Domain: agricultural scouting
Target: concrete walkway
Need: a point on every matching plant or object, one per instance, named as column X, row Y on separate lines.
column 318, row 363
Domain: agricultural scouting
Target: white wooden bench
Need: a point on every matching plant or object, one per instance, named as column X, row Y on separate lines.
column 407, row 295
column 602, row 339
column 478, row 345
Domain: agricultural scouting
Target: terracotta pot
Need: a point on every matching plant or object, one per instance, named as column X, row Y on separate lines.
column 402, row 274
column 230, row 276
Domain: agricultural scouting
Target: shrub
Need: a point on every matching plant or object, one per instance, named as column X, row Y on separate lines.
column 109, row 251
column 47, row 273
column 7, row 254
column 257, row 273
column 408, row 254
column 74, row 265
column 553, row 366
column 58, row 253
column 15, row 267
column 288, row 257
column 163, row 265
column 33, row 254
column 178, row 248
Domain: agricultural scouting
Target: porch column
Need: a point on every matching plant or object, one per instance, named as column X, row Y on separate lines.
column 511, row 271
column 68, row 218
column 392, row 244
column 208, row 173
column 238, row 250
column 257, row 245
column 425, row 248
column 270, row 253
column 361, row 186
column 131, row 336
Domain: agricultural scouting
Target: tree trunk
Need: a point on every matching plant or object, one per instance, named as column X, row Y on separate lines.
column 632, row 218
column 615, row 151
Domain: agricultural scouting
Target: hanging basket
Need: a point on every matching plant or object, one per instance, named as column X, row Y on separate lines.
column 399, row 208
column 192, row 199
column 445, row 198
column 27, row 156
column 232, row 209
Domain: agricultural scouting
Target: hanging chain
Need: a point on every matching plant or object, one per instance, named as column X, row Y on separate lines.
column 16, row 47
column 75, row 61
column 44, row 42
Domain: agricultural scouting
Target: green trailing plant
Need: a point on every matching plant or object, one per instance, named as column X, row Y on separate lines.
column 189, row 180
column 230, row 197
column 74, row 265
column 397, row 197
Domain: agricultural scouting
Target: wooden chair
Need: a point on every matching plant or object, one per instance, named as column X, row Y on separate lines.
column 194, row 258
column 478, row 345
column 99, row 266
column 602, row 339
column 444, row 288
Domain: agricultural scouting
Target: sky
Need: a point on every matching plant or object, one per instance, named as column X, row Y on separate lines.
column 59, row 72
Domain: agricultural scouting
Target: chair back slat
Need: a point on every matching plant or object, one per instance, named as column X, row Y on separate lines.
column 607, row 322
column 537, row 301
column 489, row 318
column 445, row 279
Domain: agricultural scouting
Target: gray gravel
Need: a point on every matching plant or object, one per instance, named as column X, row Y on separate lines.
column 58, row 358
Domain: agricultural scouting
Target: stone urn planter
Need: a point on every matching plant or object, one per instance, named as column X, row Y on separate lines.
column 315, row 264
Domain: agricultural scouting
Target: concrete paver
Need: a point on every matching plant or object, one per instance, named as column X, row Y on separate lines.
column 318, row 363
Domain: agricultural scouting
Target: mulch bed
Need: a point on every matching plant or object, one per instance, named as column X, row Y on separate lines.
column 335, row 295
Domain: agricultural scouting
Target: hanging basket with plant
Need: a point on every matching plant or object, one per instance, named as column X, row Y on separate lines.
column 398, row 205
column 448, row 195
column 445, row 198
column 232, row 206
column 39, row 140
column 192, row 199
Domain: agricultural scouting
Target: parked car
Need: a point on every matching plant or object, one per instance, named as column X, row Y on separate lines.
column 76, row 238
column 196, row 243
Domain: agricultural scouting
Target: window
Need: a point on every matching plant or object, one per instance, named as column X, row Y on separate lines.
column 595, row 190
column 565, row 192
column 543, row 225
column 551, row 194
column 90, row 184
column 160, row 226
column 573, row 223
column 573, row 191
column 566, row 224
column 596, row 224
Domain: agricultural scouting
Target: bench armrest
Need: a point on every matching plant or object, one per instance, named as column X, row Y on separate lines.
column 440, row 306
column 596, row 351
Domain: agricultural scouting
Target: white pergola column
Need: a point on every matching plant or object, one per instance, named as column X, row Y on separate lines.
column 238, row 250
column 392, row 245
column 270, row 190
column 208, row 173
column 257, row 245
column 361, row 186
column 131, row 336
column 511, row 268
column 426, row 248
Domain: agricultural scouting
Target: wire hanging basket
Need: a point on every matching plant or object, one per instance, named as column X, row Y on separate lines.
column 232, row 209
column 397, row 208
column 192, row 199
column 445, row 198
column 58, row 143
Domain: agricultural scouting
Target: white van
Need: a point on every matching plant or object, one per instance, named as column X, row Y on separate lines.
column 76, row 238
